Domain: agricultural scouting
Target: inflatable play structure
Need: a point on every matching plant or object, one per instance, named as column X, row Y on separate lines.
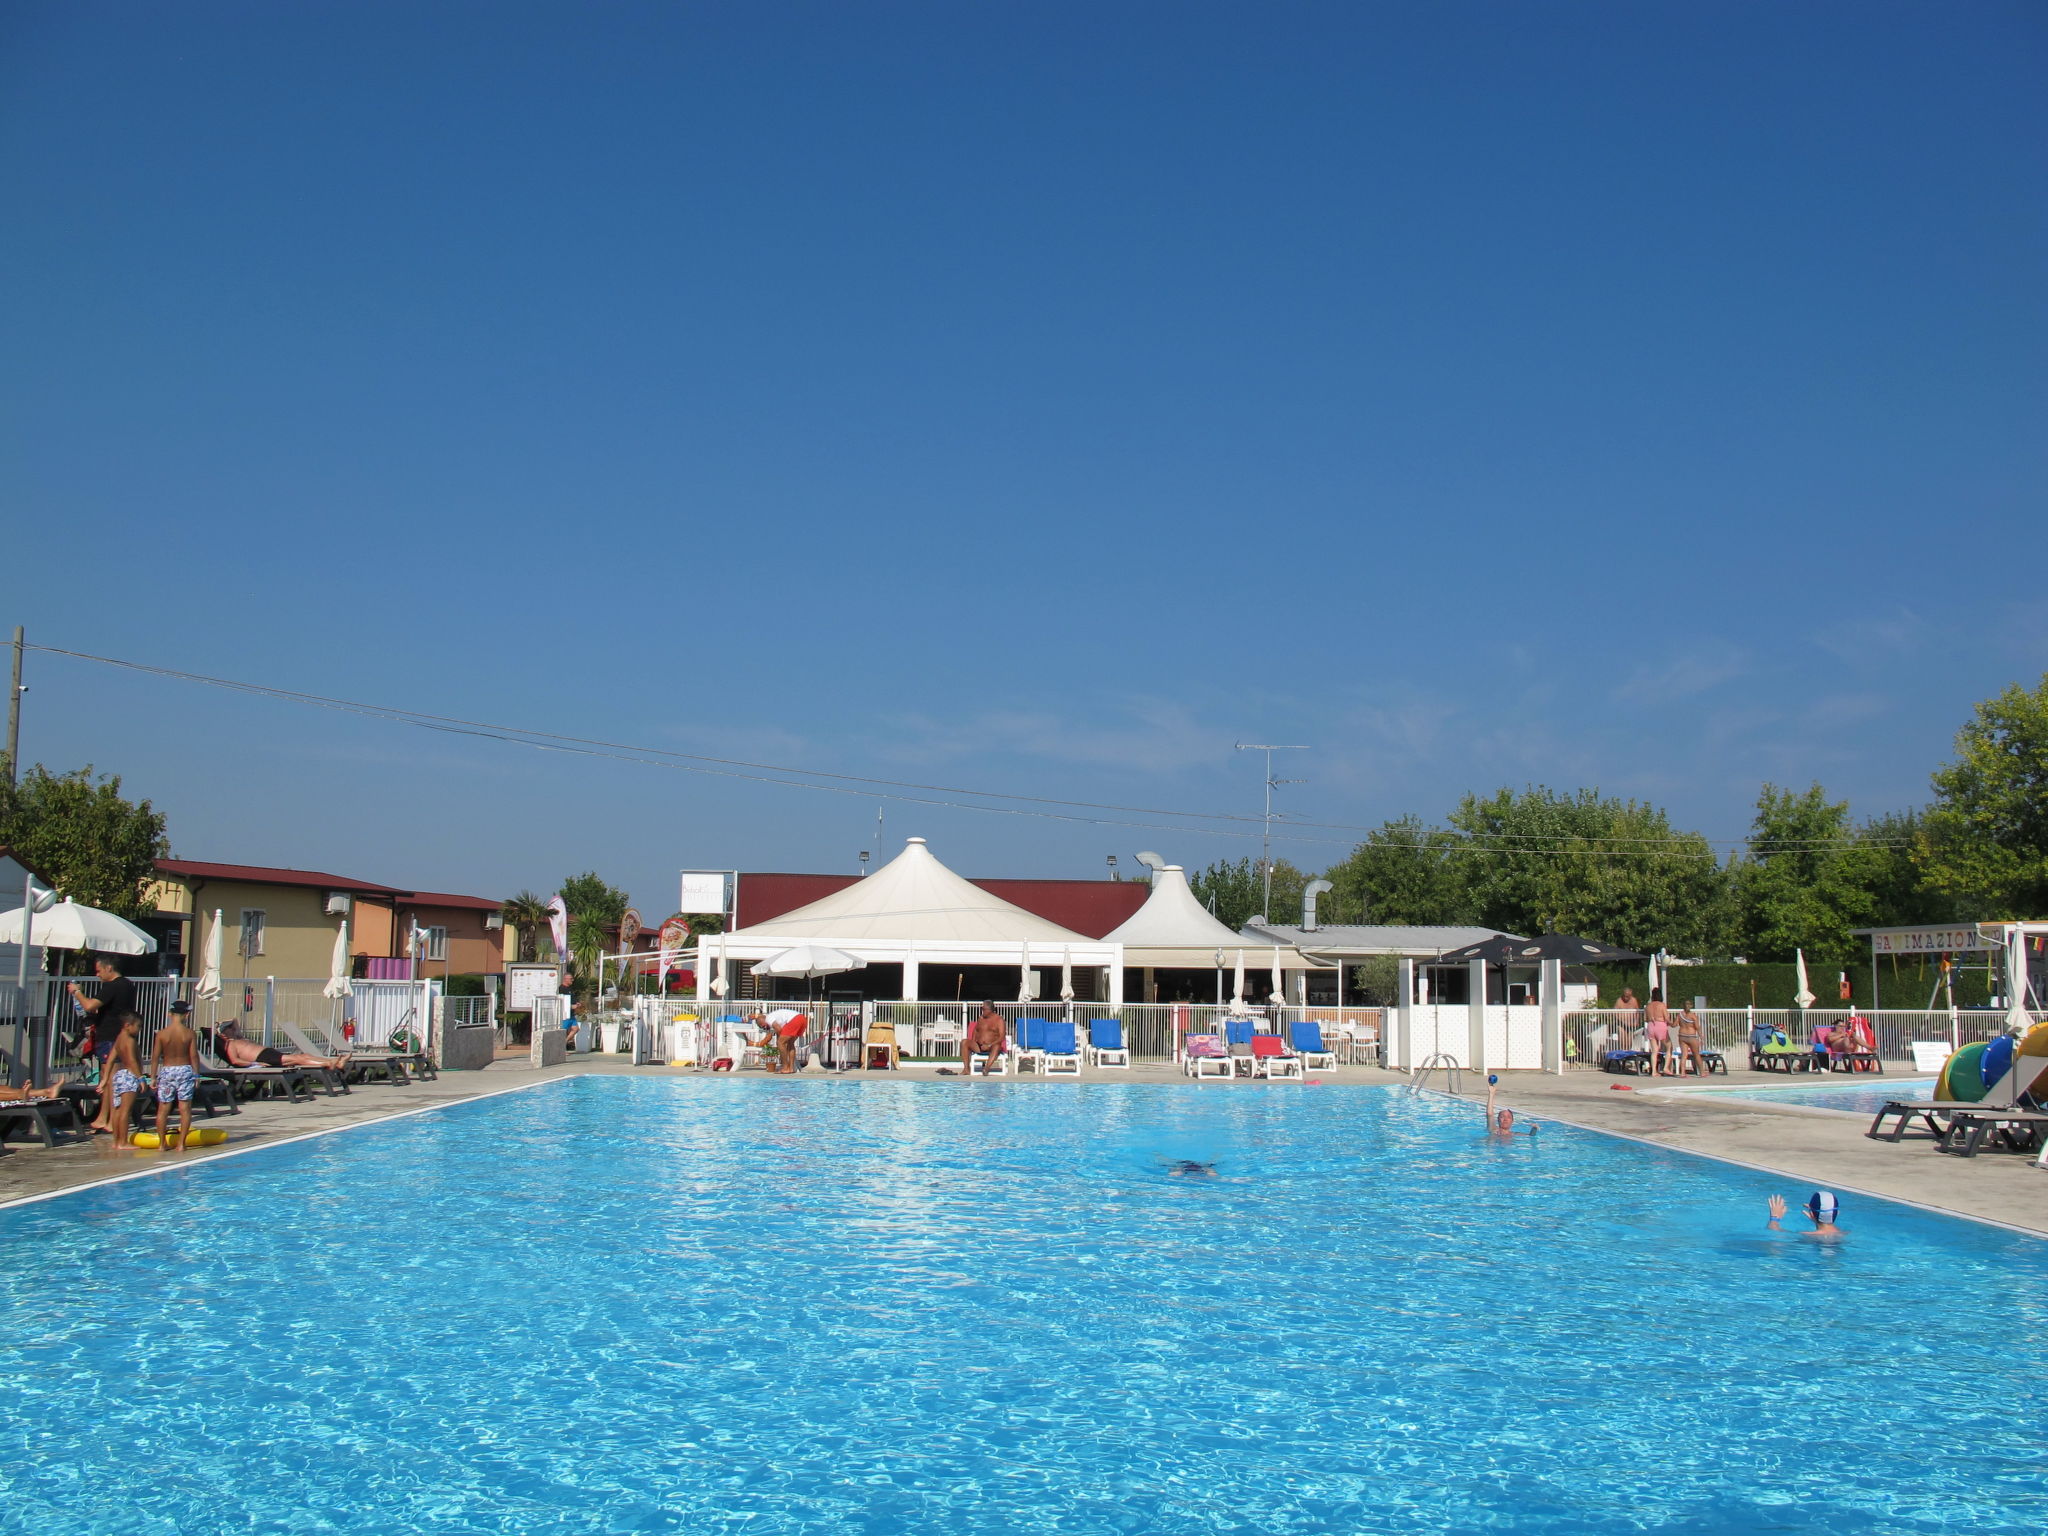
column 2010, row 1070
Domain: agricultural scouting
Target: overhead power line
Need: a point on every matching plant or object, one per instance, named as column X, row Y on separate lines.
column 1045, row 807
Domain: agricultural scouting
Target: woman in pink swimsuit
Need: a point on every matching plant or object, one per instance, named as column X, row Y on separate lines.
column 1657, row 1024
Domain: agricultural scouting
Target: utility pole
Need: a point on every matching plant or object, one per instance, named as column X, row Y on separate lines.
column 14, row 694
column 1266, row 843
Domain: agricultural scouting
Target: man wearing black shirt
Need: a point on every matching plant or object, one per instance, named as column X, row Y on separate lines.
column 116, row 997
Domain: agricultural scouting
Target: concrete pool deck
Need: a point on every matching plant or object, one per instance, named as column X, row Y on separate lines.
column 1809, row 1148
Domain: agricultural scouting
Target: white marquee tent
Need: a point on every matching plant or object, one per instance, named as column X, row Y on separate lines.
column 1173, row 931
column 914, row 911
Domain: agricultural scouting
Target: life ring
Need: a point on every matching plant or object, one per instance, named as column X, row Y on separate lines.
column 200, row 1136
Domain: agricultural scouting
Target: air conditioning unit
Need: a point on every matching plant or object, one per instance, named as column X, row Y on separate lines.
column 337, row 904
column 494, row 920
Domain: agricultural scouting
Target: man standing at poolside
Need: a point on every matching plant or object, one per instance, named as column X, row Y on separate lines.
column 116, row 997
column 987, row 1037
column 174, row 1064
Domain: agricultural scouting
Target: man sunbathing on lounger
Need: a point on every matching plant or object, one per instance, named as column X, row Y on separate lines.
column 17, row 1095
column 247, row 1053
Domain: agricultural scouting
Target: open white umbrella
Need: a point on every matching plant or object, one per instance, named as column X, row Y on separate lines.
column 71, row 926
column 809, row 960
column 338, row 985
column 1237, row 983
column 1804, row 996
column 209, row 976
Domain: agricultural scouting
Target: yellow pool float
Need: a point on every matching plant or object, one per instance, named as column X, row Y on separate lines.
column 202, row 1136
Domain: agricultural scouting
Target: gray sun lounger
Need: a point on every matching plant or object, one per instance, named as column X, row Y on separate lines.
column 36, row 1115
column 333, row 1079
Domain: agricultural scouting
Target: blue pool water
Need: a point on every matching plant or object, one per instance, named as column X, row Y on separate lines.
column 611, row 1305
column 1862, row 1097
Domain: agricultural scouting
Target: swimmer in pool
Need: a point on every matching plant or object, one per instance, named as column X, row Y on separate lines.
column 1821, row 1208
column 1189, row 1168
column 1501, row 1122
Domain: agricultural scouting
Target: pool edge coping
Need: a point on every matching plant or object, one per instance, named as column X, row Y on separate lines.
column 283, row 1141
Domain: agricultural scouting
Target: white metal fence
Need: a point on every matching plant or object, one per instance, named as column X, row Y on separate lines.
column 932, row 1030
column 1595, row 1031
column 49, row 1023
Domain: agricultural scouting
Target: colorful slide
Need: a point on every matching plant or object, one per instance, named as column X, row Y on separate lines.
column 2004, row 1070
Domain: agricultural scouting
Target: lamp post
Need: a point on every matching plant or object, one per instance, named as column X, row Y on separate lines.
column 31, row 904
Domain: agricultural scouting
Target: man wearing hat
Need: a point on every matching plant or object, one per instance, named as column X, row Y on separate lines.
column 174, row 1065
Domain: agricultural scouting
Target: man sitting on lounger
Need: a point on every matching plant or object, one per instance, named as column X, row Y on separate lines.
column 987, row 1037
column 247, row 1053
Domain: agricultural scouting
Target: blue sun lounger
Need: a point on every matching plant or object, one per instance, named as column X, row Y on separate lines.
column 1057, row 1054
column 1306, row 1038
column 1106, row 1046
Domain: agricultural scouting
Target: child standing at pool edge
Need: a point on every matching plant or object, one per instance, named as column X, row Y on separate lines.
column 174, row 1063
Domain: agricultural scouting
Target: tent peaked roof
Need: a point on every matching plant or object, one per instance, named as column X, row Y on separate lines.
column 913, row 896
column 1172, row 919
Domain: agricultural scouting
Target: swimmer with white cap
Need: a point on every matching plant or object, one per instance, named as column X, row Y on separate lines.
column 1821, row 1208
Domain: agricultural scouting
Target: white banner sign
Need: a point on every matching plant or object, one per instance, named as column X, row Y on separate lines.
column 703, row 891
column 1954, row 940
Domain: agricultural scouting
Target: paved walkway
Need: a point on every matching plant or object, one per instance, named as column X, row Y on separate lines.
column 1809, row 1149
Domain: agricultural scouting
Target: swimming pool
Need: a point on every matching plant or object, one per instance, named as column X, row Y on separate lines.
column 1864, row 1096
column 614, row 1305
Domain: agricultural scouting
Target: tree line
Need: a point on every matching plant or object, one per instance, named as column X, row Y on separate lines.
column 1540, row 860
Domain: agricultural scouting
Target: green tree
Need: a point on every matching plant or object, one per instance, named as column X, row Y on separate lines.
column 1589, row 864
column 588, row 935
column 1402, row 873
column 1897, row 842
column 1808, row 880
column 1236, row 892
column 1987, row 832
column 527, row 914
column 97, row 847
column 588, row 895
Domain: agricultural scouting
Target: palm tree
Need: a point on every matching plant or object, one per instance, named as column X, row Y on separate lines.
column 528, row 915
column 587, row 935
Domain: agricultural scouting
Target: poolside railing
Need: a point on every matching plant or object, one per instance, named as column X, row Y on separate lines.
column 1595, row 1030
column 931, row 1031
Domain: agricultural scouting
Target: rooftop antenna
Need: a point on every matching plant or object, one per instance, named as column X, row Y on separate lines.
column 1266, row 842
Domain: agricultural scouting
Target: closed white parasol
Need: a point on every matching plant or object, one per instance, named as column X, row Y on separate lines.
column 338, row 984
column 209, row 975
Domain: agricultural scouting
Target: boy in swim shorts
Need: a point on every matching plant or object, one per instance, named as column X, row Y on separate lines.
column 126, row 1068
column 175, row 1065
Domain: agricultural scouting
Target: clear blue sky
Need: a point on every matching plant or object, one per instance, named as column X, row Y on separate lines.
column 1038, row 397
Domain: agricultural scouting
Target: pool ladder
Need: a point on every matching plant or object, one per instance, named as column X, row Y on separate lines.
column 1444, row 1060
